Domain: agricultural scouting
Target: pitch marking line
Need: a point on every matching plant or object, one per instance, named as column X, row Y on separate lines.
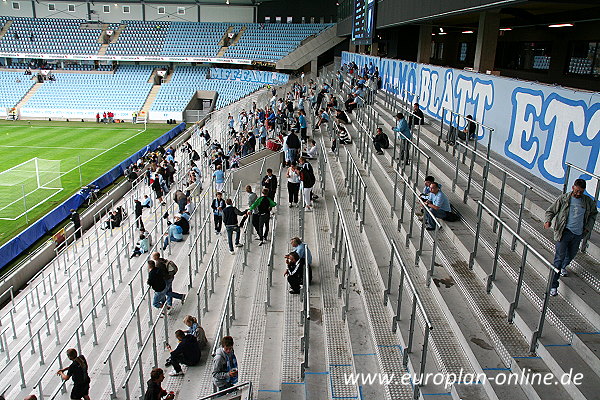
column 53, row 147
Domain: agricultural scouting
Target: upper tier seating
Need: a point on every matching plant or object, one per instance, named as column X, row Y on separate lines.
column 270, row 42
column 126, row 89
column 140, row 38
column 186, row 80
column 13, row 86
column 49, row 36
column 264, row 42
column 194, row 39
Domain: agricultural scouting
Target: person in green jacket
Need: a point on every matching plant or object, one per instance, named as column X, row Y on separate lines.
column 574, row 215
column 263, row 204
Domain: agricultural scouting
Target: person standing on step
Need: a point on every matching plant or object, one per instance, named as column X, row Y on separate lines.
column 168, row 270
column 219, row 177
column 263, row 204
column 254, row 218
column 270, row 182
column 574, row 215
column 157, row 282
column 307, row 176
column 76, row 223
column 138, row 208
column 304, row 253
column 293, row 184
column 217, row 205
column 403, row 132
column 230, row 220
column 225, row 367
column 78, row 371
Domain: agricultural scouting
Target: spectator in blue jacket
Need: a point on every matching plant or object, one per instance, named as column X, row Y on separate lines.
column 404, row 134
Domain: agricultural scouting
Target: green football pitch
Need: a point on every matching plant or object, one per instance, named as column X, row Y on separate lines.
column 43, row 163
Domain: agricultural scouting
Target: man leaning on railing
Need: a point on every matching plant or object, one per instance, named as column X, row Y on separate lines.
column 574, row 215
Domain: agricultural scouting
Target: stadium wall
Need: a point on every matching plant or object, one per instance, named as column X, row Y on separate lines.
column 536, row 126
column 36, row 231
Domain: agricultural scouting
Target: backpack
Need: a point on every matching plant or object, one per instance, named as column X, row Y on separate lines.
column 171, row 268
column 386, row 142
column 452, row 216
column 201, row 337
column 308, row 178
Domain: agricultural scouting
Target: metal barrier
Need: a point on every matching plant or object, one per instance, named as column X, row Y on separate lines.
column 356, row 188
column 199, row 247
column 270, row 265
column 417, row 308
column 415, row 196
column 77, row 335
column 368, row 120
column 341, row 249
column 243, row 391
column 211, row 272
column 228, row 314
column 527, row 249
column 305, row 316
column 138, row 357
column 456, row 120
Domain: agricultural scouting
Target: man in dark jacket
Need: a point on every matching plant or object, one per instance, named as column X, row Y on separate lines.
column 187, row 352
column 183, row 223
column 76, row 223
column 417, row 118
column 157, row 282
column 138, row 214
column 230, row 220
column 294, row 271
column 380, row 141
column 270, row 182
column 155, row 390
column 263, row 204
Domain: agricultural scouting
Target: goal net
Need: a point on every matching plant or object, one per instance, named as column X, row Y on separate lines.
column 27, row 185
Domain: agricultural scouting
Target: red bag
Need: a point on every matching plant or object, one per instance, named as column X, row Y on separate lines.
column 273, row 144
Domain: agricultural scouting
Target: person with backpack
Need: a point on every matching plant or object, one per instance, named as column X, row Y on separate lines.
column 78, row 371
column 157, row 282
column 168, row 269
column 263, row 204
column 293, row 146
column 307, row 176
column 380, row 141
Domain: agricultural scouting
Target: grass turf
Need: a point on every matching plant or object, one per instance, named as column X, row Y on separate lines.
column 98, row 147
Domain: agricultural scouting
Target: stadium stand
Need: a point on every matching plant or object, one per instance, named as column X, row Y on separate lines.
column 264, row 42
column 49, row 36
column 269, row 42
column 186, row 80
column 13, row 86
column 140, row 38
column 124, row 90
column 193, row 39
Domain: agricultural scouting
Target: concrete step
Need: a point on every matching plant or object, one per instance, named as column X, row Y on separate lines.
column 585, row 303
column 469, row 218
column 28, row 95
column 380, row 333
column 5, row 28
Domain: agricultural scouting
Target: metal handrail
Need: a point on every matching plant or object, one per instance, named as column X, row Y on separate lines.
column 416, row 196
column 344, row 255
column 76, row 334
column 204, row 281
column 140, row 352
column 230, row 390
column 355, row 183
column 225, row 316
column 417, row 306
column 527, row 248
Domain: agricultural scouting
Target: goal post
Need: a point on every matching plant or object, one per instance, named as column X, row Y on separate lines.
column 27, row 185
